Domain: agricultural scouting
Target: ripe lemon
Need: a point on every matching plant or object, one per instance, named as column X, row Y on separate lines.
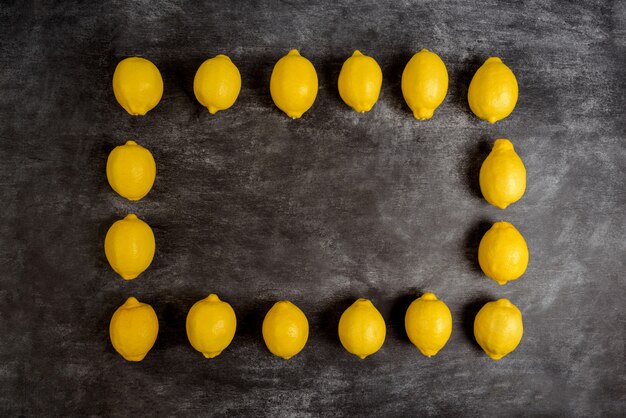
column 359, row 82
column 503, row 175
column 211, row 326
column 131, row 170
column 424, row 83
column 217, row 83
column 137, row 85
column 428, row 324
column 498, row 328
column 285, row 329
column 133, row 329
column 293, row 84
column 129, row 246
column 362, row 329
column 502, row 253
column 492, row 93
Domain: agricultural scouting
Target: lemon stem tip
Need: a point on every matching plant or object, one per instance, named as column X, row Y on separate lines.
column 129, row 276
column 429, row 296
column 493, row 59
column 134, row 358
column 423, row 114
column 132, row 301
column 211, row 354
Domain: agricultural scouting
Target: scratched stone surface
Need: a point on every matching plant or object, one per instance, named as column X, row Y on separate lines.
column 338, row 205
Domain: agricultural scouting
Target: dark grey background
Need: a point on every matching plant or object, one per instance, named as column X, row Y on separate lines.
column 257, row 207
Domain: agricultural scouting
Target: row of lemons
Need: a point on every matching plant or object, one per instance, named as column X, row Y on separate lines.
column 211, row 323
column 492, row 93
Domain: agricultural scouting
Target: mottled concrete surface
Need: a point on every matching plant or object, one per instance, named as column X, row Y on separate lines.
column 335, row 206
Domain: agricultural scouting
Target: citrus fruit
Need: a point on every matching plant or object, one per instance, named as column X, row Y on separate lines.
column 285, row 329
column 131, row 170
column 133, row 329
column 217, row 83
column 424, row 83
column 359, row 83
column 492, row 93
column 137, row 85
column 362, row 329
column 503, row 253
column 129, row 246
column 503, row 175
column 428, row 324
column 293, row 84
column 211, row 326
column 498, row 328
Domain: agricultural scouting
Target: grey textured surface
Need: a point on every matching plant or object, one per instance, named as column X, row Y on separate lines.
column 256, row 207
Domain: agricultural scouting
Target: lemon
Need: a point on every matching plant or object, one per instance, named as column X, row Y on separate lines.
column 359, row 83
column 133, row 329
column 137, row 85
column 129, row 246
column 424, row 83
column 211, row 326
column 217, row 83
column 428, row 324
column 503, row 175
column 285, row 329
column 498, row 328
column 362, row 329
column 492, row 93
column 293, row 84
column 131, row 170
column 502, row 253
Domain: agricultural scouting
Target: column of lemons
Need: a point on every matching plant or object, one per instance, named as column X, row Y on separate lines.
column 217, row 83
column 428, row 324
column 129, row 246
column 293, row 84
column 285, row 329
column 211, row 325
column 498, row 328
column 131, row 170
column 424, row 83
column 503, row 253
column 502, row 175
column 362, row 329
column 359, row 82
column 137, row 85
column 133, row 329
column 492, row 93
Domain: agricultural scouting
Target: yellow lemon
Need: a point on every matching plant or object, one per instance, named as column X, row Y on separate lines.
column 211, row 326
column 137, row 85
column 129, row 246
column 362, row 329
column 492, row 93
column 428, row 324
column 498, row 328
column 133, row 329
column 217, row 83
column 424, row 83
column 359, row 82
column 285, row 329
column 503, row 175
column 293, row 84
column 131, row 170
column 502, row 253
